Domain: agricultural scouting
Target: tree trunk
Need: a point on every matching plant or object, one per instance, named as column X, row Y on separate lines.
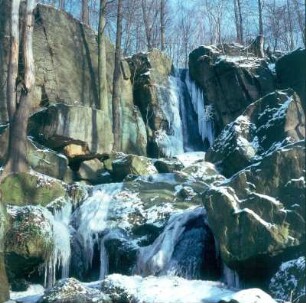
column 62, row 4
column 240, row 21
column 13, row 59
column 17, row 161
column 162, row 24
column 103, row 89
column 260, row 18
column 146, row 24
column 85, row 12
column 116, row 80
column 290, row 26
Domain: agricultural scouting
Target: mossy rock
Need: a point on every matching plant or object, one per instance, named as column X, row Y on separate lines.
column 24, row 188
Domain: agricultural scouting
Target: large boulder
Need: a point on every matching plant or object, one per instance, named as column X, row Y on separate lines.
column 259, row 220
column 154, row 95
column 231, row 80
column 265, row 125
column 30, row 189
column 291, row 75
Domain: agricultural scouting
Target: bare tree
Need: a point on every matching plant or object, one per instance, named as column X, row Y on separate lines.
column 116, row 79
column 19, row 111
column 260, row 18
column 238, row 20
column 85, row 12
column 162, row 24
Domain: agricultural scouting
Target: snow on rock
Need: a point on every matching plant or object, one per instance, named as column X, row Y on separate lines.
column 176, row 290
column 71, row 290
column 289, row 281
column 190, row 158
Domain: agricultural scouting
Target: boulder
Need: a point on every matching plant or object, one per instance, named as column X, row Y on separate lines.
column 26, row 188
column 92, row 170
column 168, row 165
column 289, row 281
column 291, row 75
column 71, row 290
column 231, row 81
column 28, row 242
column 153, row 94
column 267, row 124
column 132, row 165
column 259, row 221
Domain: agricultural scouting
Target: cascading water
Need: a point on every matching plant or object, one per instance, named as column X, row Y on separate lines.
column 92, row 216
column 179, row 249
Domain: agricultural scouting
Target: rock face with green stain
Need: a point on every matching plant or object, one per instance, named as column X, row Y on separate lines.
column 258, row 219
column 29, row 189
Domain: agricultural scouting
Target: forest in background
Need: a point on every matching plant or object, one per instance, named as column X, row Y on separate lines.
column 178, row 26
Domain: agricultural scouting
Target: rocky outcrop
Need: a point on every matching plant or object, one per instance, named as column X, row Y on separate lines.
column 291, row 75
column 66, row 65
column 259, row 220
column 231, row 80
column 289, row 281
column 265, row 125
column 30, row 189
column 153, row 96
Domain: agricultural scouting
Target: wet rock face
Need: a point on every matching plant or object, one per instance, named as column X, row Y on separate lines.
column 258, row 219
column 231, row 80
column 264, row 126
column 288, row 283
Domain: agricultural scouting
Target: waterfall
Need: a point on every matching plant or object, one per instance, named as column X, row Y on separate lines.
column 172, row 253
column 60, row 256
column 204, row 112
column 92, row 216
column 170, row 137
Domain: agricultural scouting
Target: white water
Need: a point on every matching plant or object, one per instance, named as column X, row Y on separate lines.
column 204, row 112
column 60, row 257
column 93, row 218
column 170, row 140
column 156, row 258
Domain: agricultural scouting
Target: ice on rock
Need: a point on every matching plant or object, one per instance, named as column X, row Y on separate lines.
column 92, row 216
column 204, row 112
column 156, row 258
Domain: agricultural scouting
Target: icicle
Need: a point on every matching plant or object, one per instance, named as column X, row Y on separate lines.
column 205, row 119
column 104, row 261
column 230, row 277
column 60, row 256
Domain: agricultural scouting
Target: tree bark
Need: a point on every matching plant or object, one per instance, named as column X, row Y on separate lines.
column 146, row 24
column 85, row 12
column 13, row 59
column 17, row 149
column 162, row 24
column 116, row 80
column 260, row 18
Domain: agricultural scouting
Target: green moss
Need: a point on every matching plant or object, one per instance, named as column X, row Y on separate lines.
column 24, row 189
